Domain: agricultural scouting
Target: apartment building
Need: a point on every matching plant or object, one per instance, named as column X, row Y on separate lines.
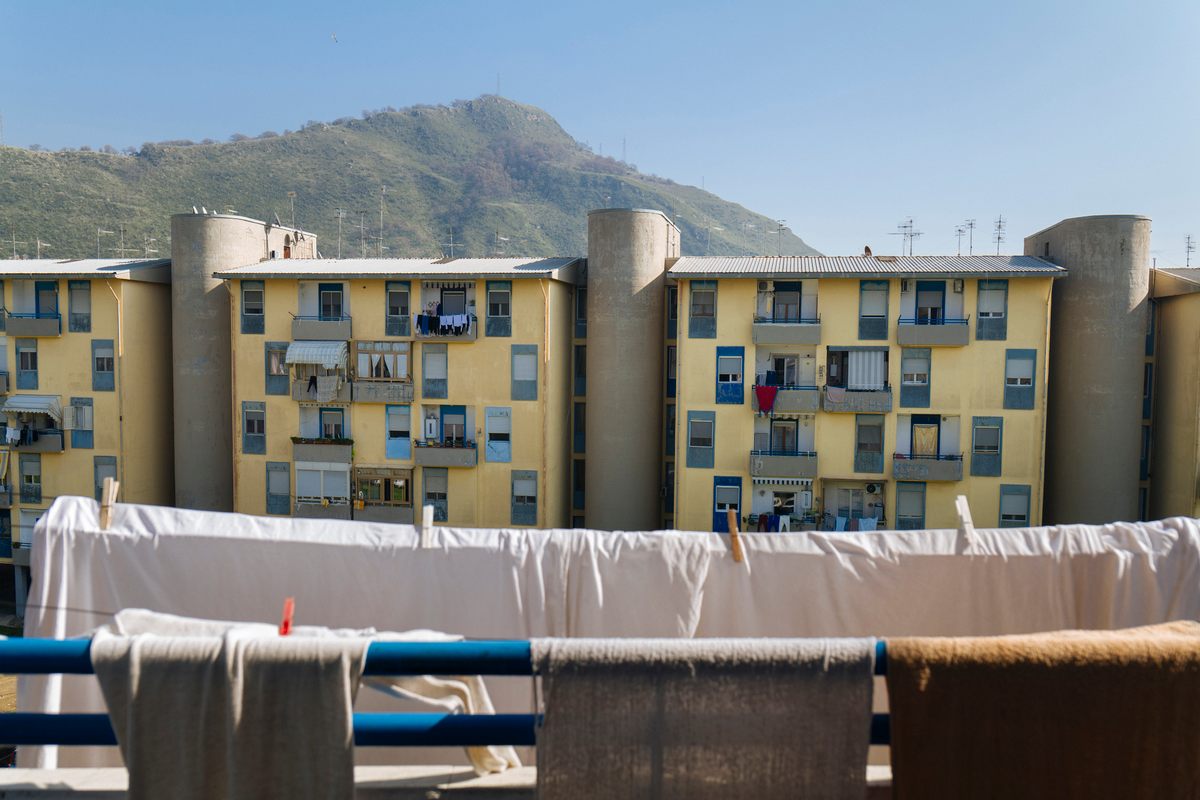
column 85, row 360
column 366, row 388
column 1171, row 395
column 855, row 393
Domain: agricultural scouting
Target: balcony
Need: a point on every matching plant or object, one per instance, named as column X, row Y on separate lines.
column 325, row 328
column 307, row 508
column 334, row 451
column 907, row 467
column 792, row 399
column 940, row 332
column 399, row 515
column 46, row 440
column 445, row 329
column 304, row 390
column 383, row 392
column 783, row 464
column 3, row 383
column 445, row 455
column 31, row 493
column 857, row 401
column 40, row 323
column 767, row 330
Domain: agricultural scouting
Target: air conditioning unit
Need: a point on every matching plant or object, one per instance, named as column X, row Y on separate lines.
column 872, row 488
column 805, row 499
column 763, row 286
column 958, row 286
column 904, row 285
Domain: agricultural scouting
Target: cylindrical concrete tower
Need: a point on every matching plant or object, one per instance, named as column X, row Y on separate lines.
column 627, row 253
column 200, row 245
column 1097, row 352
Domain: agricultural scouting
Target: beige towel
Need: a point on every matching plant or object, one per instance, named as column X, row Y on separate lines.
column 1073, row 714
column 708, row 718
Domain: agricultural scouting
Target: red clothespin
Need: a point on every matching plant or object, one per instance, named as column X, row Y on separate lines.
column 289, row 611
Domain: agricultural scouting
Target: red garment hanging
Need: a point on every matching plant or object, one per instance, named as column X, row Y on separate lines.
column 766, row 397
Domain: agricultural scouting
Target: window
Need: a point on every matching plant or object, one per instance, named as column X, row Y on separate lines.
column 910, row 506
column 730, row 362
column 914, row 377
column 1014, row 506
column 702, row 319
column 322, row 482
column 499, row 306
column 581, row 313
column 873, row 310
column 729, row 369
column 103, row 467
column 332, row 422
column 931, row 301
column 399, row 433
column 671, row 366
column 524, row 371
column 1144, row 465
column 787, row 302
column 578, row 483
column 254, row 427
column 1147, row 391
column 868, row 443
column 27, row 364
column 454, row 424
column 991, row 311
column 275, row 367
column 31, row 478
column 669, row 438
column 79, row 297
column 397, row 321
column 701, row 435
column 524, row 497
column 383, row 487
column 498, row 435
column 784, row 370
column 252, row 307
column 579, row 428
column 279, row 488
column 433, row 370
column 672, row 312
column 435, row 480
column 103, row 379
column 329, row 299
column 727, row 496
column 986, row 446
column 1018, row 378
column 987, row 439
column 859, row 369
column 381, row 361
column 454, row 301
column 580, row 370
column 83, row 423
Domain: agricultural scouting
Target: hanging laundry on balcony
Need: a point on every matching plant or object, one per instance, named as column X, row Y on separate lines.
column 766, row 397
column 330, row 355
column 327, row 388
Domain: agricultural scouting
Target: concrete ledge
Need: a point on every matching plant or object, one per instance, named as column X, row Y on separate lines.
column 383, row 392
column 791, row 401
column 952, row 335
column 786, row 332
column 321, row 329
column 445, row 456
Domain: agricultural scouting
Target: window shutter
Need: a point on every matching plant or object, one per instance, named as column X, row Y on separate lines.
column 1012, row 505
column 866, row 370
column 308, row 482
column 525, row 367
column 525, row 488
column 69, row 418
column 908, row 503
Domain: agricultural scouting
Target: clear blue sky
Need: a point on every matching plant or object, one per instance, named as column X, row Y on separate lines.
column 840, row 116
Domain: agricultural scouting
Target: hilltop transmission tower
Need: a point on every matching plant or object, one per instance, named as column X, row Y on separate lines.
column 1189, row 247
column 908, row 231
column 959, row 232
column 998, row 232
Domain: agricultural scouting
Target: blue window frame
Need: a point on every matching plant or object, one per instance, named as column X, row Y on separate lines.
column 79, row 304
column 82, row 435
column 868, row 443
column 1014, row 506
column 987, row 446
column 578, row 484
column 435, row 483
column 673, row 370
column 330, row 302
column 253, row 307
column 103, row 467
column 727, row 495
column 279, row 487
column 275, row 368
column 524, row 371
column 1019, row 380
column 915, row 370
column 497, row 431
column 910, row 506
column 524, row 497
column 398, row 444
column 873, row 310
column 991, row 311
column 672, row 312
column 702, row 315
column 103, row 365
column 581, row 313
column 397, row 321
column 579, row 429
column 434, row 370
column 499, row 309
column 27, row 363
column 1147, row 390
column 254, row 427
column 580, row 370
column 46, row 299
column 731, row 362
column 702, row 435
column 453, row 424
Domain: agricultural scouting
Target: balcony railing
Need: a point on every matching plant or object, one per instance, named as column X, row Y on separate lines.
column 448, row 327
column 381, row 512
column 859, row 401
column 322, row 327
column 36, row 323
column 783, row 464
column 908, row 467
column 383, row 391
column 938, row 332
column 791, row 399
column 31, row 493
column 338, row 451
column 43, row 440
column 786, row 330
column 445, row 454
column 322, row 508
column 305, row 390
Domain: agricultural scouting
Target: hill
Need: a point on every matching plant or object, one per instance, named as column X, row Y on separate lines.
column 497, row 176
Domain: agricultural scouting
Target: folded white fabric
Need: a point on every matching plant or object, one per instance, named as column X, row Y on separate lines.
column 704, row 718
column 138, row 632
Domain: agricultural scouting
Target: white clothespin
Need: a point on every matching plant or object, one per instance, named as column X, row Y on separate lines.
column 108, row 499
column 426, row 527
column 966, row 526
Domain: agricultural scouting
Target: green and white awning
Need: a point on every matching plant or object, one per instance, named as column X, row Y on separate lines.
column 330, row 355
column 34, row 404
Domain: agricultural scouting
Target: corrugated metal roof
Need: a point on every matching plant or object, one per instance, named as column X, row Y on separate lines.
column 560, row 268
column 144, row 269
column 330, row 355
column 839, row 266
column 1189, row 274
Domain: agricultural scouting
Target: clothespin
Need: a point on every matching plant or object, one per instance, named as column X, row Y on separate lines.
column 735, row 539
column 966, row 527
column 289, row 613
column 426, row 527
column 108, row 498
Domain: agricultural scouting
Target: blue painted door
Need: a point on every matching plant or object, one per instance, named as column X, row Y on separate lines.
column 727, row 494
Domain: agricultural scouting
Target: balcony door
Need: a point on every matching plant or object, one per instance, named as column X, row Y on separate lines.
column 783, row 436
column 330, row 299
column 784, row 369
column 931, row 302
column 454, row 424
column 46, row 298
column 787, row 305
column 925, row 435
column 454, row 301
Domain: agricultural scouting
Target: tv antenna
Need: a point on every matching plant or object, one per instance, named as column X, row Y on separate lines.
column 100, row 231
column 906, row 230
column 382, row 192
column 450, row 244
column 498, row 247
column 40, row 245
column 13, row 232
column 998, row 232
column 340, row 213
column 292, row 201
column 148, row 240
column 959, row 232
column 970, row 226
column 1189, row 247
column 362, row 232
column 780, row 227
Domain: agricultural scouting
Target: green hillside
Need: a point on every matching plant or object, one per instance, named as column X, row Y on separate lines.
column 503, row 177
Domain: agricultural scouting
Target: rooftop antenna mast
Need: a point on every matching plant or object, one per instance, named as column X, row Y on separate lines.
column 970, row 226
column 340, row 213
column 959, row 232
column 292, row 201
column 13, row 232
column 498, row 248
column 907, row 231
column 40, row 245
column 1189, row 247
column 106, row 233
column 998, row 232
column 148, row 240
column 362, row 232
column 780, row 227
column 450, row 244
column 382, row 192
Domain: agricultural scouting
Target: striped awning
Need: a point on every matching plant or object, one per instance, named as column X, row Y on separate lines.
column 330, row 355
column 448, row 284
column 783, row 481
column 34, row 404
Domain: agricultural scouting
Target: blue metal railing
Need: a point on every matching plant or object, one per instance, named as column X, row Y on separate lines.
column 322, row 317
column 73, row 657
column 934, row 321
column 917, row 457
column 34, row 315
column 787, row 320
column 805, row 453
column 788, row 387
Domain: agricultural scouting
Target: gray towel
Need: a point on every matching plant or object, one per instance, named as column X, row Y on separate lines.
column 233, row 716
column 704, row 718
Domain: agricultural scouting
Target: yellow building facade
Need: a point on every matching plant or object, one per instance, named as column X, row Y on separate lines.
column 1171, row 395
column 856, row 394
column 85, row 365
column 365, row 389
